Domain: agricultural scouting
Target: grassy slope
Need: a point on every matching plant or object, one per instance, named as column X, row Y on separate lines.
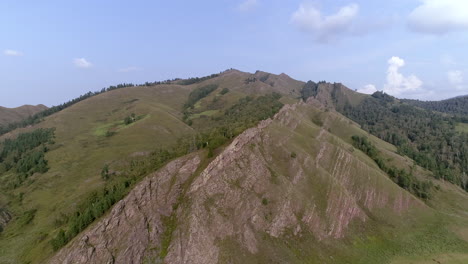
column 419, row 235
column 81, row 152
column 433, row 234
column 82, row 149
column 11, row 115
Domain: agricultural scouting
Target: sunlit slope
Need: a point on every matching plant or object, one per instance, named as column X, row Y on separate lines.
column 93, row 133
column 292, row 190
column 81, row 150
column 296, row 191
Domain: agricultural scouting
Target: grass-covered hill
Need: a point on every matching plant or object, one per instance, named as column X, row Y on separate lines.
column 118, row 129
column 308, row 186
column 294, row 189
column 12, row 115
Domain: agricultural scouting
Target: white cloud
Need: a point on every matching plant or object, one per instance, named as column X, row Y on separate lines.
column 10, row 52
column 397, row 83
column 368, row 89
column 82, row 63
column 129, row 69
column 309, row 19
column 247, row 5
column 439, row 16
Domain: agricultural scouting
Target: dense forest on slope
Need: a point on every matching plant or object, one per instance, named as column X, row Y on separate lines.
column 457, row 106
column 24, row 156
column 430, row 139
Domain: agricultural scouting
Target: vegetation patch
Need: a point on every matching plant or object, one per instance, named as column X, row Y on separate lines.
column 207, row 113
column 99, row 202
column 429, row 138
column 198, row 94
column 405, row 180
column 110, row 129
column 462, row 127
column 24, row 156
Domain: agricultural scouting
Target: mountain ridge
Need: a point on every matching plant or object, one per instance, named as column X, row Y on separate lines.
column 16, row 114
column 292, row 188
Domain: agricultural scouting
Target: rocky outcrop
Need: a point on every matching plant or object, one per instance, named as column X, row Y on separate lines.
column 5, row 217
column 255, row 188
column 132, row 231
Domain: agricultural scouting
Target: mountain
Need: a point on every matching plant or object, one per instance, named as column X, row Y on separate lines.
column 455, row 106
column 12, row 115
column 232, row 168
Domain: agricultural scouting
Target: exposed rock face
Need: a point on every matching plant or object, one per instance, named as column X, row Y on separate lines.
column 255, row 187
column 5, row 217
column 132, row 230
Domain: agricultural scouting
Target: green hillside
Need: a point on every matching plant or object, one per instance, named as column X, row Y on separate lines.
column 94, row 132
column 324, row 186
column 291, row 190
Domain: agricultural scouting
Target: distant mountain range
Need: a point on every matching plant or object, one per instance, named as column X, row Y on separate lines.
column 12, row 115
column 456, row 106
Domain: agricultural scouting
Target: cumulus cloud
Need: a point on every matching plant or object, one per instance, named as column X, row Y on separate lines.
column 368, row 89
column 247, row 5
column 439, row 16
column 129, row 69
column 309, row 19
column 397, row 83
column 82, row 63
column 10, row 52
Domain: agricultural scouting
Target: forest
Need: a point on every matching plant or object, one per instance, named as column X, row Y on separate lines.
column 457, row 106
column 429, row 138
column 25, row 156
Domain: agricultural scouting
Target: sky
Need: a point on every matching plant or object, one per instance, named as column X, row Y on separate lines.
column 54, row 51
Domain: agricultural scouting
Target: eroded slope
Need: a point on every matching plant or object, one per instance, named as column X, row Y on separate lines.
column 291, row 190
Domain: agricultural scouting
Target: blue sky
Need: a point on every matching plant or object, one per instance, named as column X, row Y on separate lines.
column 53, row 51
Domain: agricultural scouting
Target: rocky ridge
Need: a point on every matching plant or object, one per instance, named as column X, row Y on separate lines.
column 256, row 186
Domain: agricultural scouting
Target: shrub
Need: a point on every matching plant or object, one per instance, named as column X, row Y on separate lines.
column 224, row 91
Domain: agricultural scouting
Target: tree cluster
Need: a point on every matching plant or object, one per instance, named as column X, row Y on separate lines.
column 428, row 138
column 404, row 179
column 25, row 155
column 457, row 106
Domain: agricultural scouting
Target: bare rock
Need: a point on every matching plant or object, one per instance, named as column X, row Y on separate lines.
column 131, row 232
